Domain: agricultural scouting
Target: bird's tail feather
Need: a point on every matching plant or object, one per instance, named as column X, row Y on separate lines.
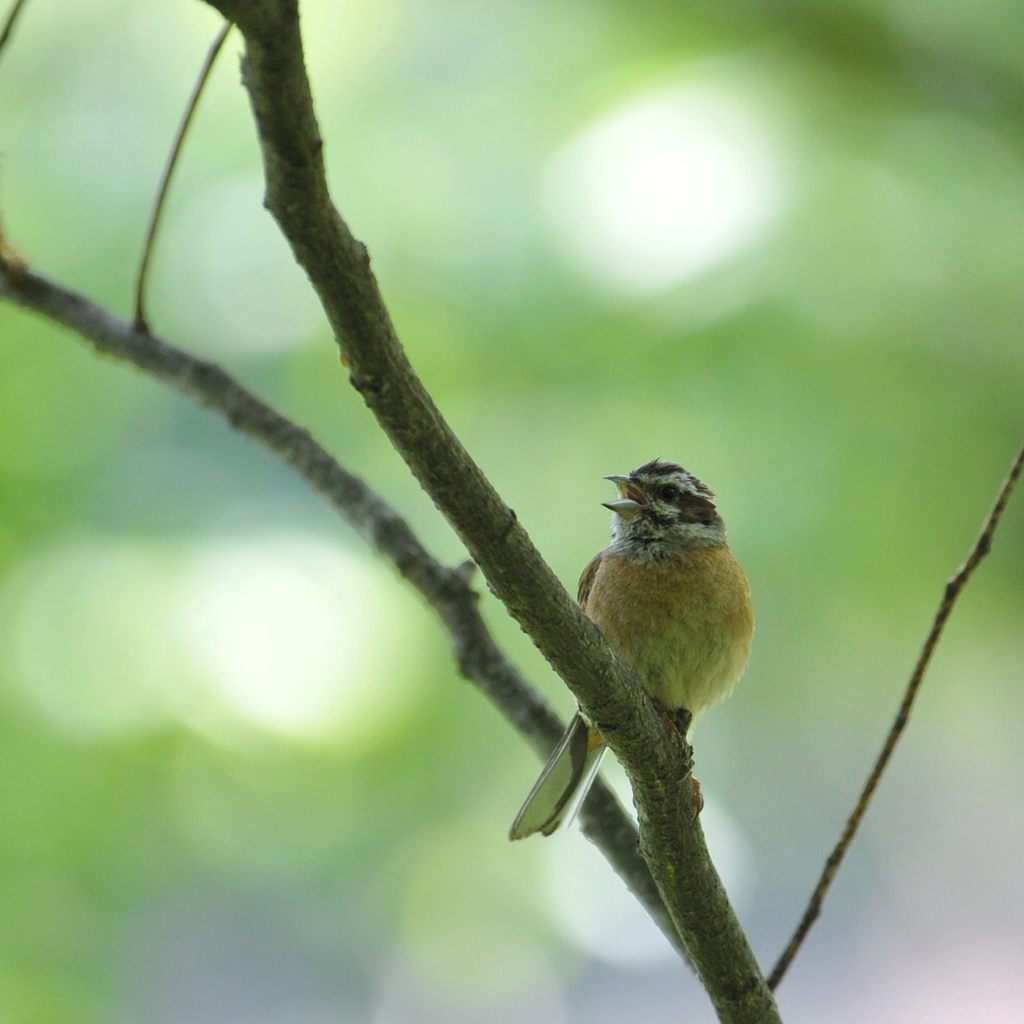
column 557, row 795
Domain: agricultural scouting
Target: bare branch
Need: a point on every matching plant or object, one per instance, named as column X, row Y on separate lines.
column 8, row 27
column 165, row 179
column 339, row 269
column 446, row 590
column 952, row 591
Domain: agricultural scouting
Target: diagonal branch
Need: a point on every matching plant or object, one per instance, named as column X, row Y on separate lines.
column 953, row 588
column 446, row 590
column 168, row 172
column 338, row 268
column 8, row 24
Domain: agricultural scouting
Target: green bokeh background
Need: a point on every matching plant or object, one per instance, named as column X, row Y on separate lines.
column 240, row 779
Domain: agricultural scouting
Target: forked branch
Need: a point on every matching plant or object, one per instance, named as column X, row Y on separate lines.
column 338, row 267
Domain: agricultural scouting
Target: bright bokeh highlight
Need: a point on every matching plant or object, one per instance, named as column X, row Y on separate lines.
column 670, row 184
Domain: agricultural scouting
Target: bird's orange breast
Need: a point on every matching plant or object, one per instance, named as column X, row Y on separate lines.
column 684, row 624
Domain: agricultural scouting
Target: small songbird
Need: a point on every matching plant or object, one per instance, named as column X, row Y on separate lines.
column 674, row 604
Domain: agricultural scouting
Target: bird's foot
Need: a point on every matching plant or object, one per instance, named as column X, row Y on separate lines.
column 698, row 797
column 677, row 720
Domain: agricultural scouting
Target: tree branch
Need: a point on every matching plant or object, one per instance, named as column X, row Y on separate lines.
column 339, row 269
column 952, row 591
column 8, row 24
column 165, row 178
column 446, row 590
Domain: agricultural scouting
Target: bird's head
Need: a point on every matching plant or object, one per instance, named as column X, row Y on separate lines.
column 662, row 508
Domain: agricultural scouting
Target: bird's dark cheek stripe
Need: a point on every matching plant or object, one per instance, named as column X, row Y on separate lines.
column 662, row 522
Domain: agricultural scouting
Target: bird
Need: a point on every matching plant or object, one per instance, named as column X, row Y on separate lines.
column 674, row 604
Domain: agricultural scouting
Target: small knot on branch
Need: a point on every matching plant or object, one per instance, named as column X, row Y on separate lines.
column 366, row 386
column 513, row 521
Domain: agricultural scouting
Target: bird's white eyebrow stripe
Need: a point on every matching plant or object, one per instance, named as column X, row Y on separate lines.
column 669, row 472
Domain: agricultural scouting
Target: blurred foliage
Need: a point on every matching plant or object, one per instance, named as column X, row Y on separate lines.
column 241, row 780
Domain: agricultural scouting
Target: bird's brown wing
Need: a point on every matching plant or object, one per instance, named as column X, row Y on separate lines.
column 587, row 580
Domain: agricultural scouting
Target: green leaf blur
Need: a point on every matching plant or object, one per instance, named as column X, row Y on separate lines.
column 240, row 777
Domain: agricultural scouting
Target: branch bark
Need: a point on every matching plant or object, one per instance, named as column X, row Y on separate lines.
column 338, row 268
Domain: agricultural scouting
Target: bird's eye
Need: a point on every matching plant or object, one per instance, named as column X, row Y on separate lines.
column 670, row 492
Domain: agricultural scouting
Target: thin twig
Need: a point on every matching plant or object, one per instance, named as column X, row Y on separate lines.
column 446, row 590
column 165, row 180
column 12, row 17
column 953, row 588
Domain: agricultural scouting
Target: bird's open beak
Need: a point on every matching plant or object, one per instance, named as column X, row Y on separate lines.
column 630, row 500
